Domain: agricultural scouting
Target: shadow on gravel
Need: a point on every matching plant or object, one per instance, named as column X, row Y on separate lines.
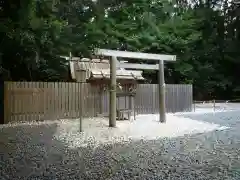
column 33, row 153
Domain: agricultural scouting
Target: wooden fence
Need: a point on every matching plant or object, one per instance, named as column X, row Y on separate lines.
column 178, row 98
column 26, row 101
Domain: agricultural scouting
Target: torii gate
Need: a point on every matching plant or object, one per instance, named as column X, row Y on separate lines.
column 135, row 55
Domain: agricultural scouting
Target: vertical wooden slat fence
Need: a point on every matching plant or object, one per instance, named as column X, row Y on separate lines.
column 28, row 101
column 178, row 98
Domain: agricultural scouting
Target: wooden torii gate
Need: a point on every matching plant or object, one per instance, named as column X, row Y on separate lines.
column 135, row 55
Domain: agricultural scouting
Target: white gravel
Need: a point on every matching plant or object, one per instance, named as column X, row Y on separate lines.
column 147, row 127
column 191, row 146
column 219, row 107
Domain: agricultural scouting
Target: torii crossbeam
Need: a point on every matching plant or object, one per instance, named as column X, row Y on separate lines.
column 135, row 55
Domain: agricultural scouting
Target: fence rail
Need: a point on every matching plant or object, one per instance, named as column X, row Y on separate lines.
column 27, row 101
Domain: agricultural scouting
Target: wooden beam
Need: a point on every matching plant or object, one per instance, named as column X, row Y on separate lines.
column 138, row 66
column 72, row 59
column 162, row 94
column 113, row 89
column 135, row 55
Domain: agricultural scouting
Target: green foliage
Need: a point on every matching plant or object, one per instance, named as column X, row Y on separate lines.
column 204, row 37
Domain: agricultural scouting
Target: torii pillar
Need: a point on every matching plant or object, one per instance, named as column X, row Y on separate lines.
column 126, row 54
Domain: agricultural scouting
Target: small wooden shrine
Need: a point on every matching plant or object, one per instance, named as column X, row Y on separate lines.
column 97, row 73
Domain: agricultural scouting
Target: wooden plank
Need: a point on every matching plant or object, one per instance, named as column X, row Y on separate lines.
column 136, row 99
column 98, row 101
column 66, row 100
column 69, row 95
column 47, row 101
column 151, row 98
column 92, row 104
column 94, row 107
column 55, row 98
column 81, row 106
column 71, row 91
column 11, row 105
column 46, row 105
column 81, row 101
column 13, row 102
column 138, row 66
column 63, row 101
column 176, row 87
column 191, row 96
column 55, row 114
column 72, row 99
column 169, row 98
column 72, row 69
column 38, row 99
column 60, row 99
column 7, row 100
column 95, row 101
column 18, row 114
column 28, row 99
column 84, row 100
column 56, row 101
column 27, row 102
column 75, row 100
column 34, row 101
column 51, row 100
column 88, row 99
column 20, row 98
column 42, row 98
column 72, row 94
column 135, row 55
column 176, row 100
column 91, row 101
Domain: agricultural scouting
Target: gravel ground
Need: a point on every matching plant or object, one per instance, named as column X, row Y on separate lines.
column 219, row 107
column 50, row 150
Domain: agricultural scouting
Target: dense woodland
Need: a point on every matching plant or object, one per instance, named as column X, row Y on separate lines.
column 205, row 36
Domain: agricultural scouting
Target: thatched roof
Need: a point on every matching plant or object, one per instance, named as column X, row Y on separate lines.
column 85, row 69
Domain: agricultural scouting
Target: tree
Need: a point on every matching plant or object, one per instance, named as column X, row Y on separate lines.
column 203, row 34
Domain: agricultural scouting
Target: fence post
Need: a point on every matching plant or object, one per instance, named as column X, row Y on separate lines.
column 194, row 106
column 113, row 85
column 81, row 108
column 214, row 105
column 2, row 100
column 161, row 89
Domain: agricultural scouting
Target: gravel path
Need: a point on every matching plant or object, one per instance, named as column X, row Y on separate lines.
column 41, row 152
column 219, row 107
